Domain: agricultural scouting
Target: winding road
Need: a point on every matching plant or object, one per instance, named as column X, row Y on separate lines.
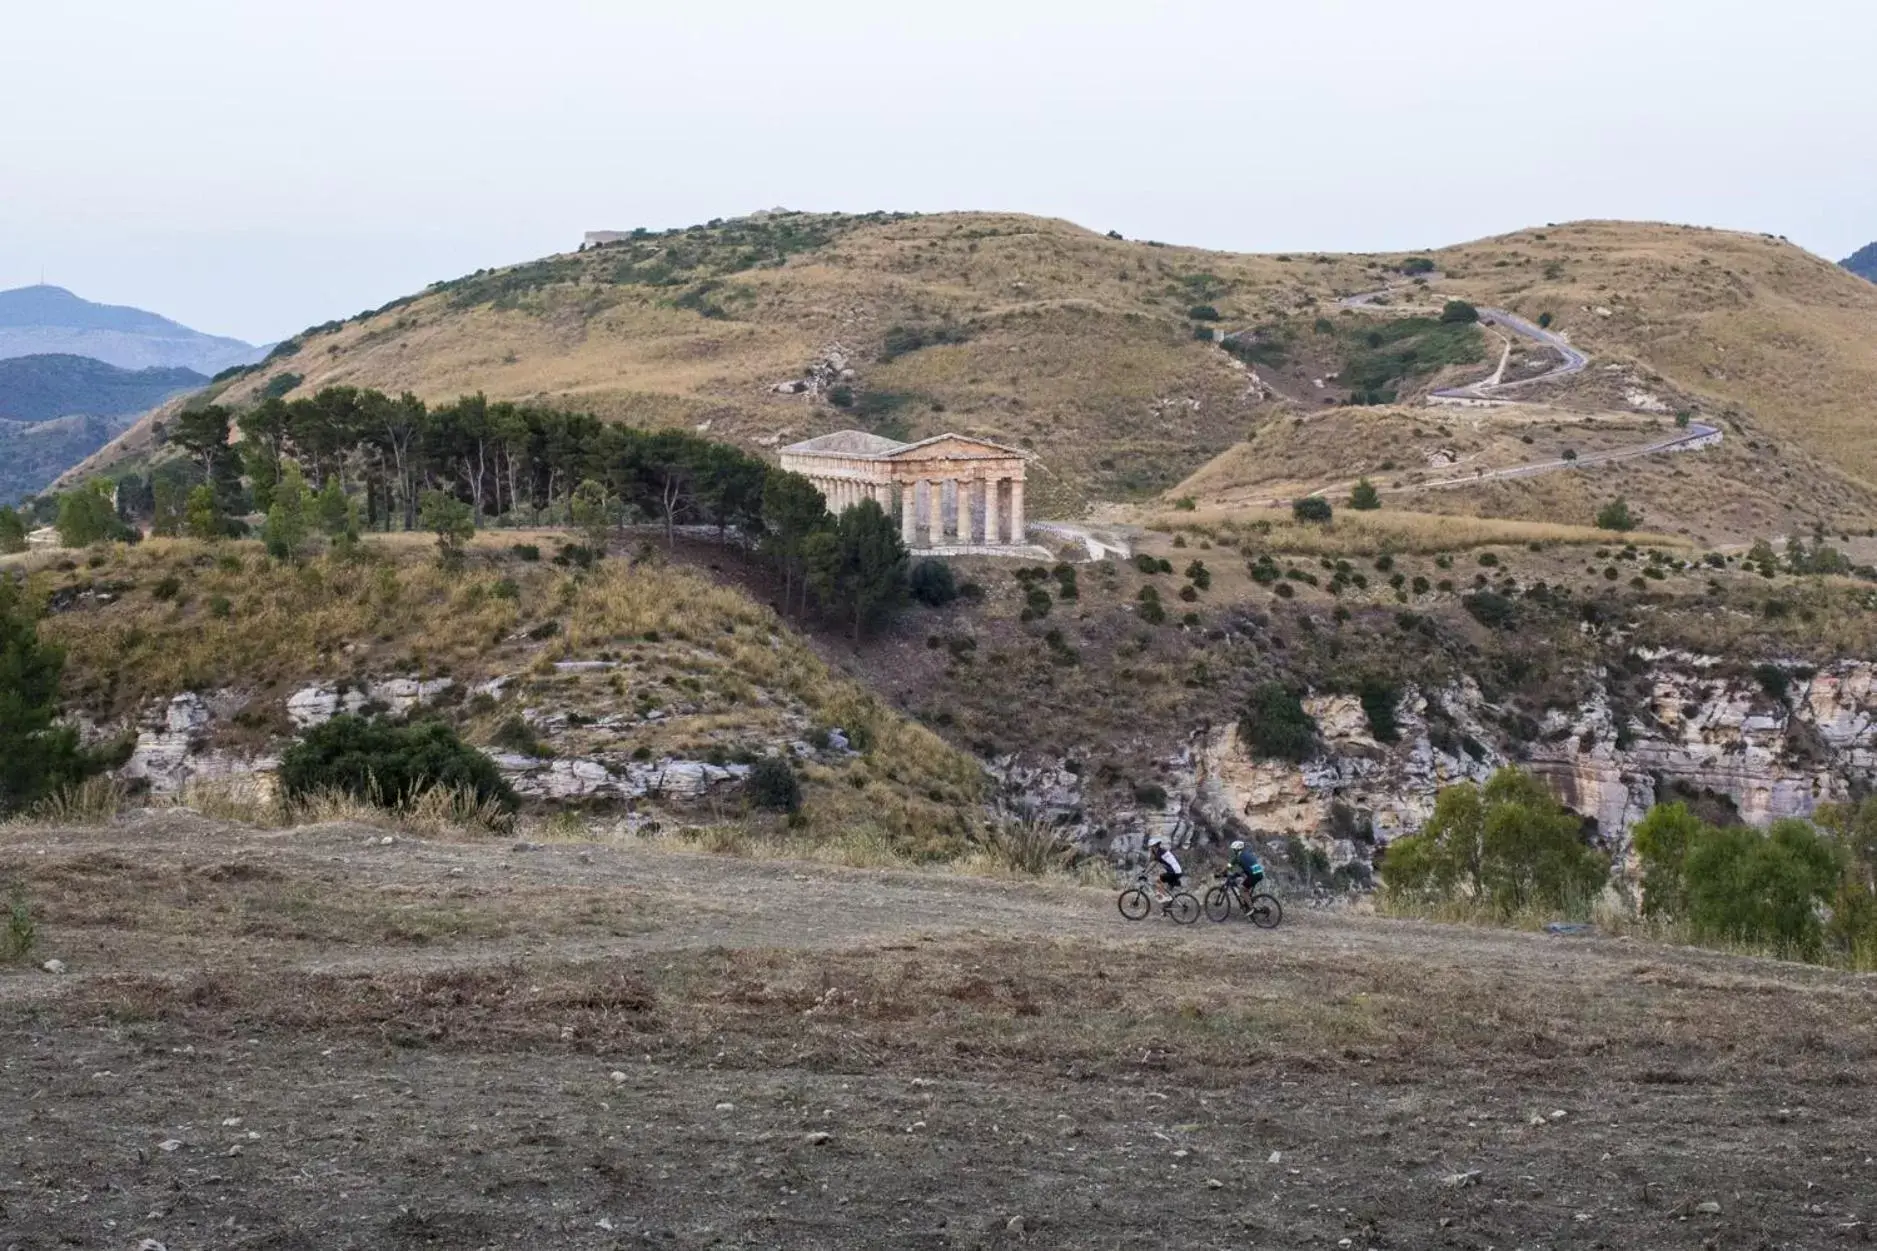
column 1491, row 391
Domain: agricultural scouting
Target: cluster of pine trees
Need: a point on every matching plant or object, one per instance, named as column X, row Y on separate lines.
column 347, row 461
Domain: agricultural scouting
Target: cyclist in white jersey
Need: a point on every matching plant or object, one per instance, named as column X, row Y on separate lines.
column 1172, row 877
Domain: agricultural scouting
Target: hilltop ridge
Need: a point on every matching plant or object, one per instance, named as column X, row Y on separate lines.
column 1125, row 364
column 46, row 320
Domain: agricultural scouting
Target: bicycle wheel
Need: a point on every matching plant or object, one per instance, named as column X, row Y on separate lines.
column 1266, row 912
column 1219, row 904
column 1135, row 904
column 1183, row 908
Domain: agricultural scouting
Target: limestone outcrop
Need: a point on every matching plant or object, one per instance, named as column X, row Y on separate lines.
column 1774, row 743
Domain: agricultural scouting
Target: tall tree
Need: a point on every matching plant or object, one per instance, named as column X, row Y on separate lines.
column 288, row 522
column 859, row 566
column 12, row 531
column 792, row 510
column 37, row 755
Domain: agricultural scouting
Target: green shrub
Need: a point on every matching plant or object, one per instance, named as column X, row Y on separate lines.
column 1203, row 312
column 1365, row 497
column 1615, row 515
column 1544, row 321
column 1275, row 726
column 1745, row 886
column 1146, row 564
column 773, row 786
column 1379, row 699
column 932, row 583
column 1199, row 575
column 1150, row 795
column 1417, row 265
column 388, row 763
column 525, row 551
column 22, row 933
column 1459, row 313
column 1311, row 508
column 1508, row 846
column 1490, row 609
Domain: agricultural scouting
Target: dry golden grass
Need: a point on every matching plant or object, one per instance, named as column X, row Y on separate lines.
column 1081, row 350
column 1384, row 530
column 183, row 616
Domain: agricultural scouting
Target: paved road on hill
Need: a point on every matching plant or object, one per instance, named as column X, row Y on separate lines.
column 1491, row 391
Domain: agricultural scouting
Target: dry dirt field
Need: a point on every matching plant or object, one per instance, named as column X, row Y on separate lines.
column 315, row 1039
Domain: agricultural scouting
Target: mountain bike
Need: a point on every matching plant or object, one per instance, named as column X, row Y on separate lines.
column 1234, row 895
column 1137, row 901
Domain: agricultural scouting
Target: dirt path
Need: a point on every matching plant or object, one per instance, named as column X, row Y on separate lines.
column 316, row 1039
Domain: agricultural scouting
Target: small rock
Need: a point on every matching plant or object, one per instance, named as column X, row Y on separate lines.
column 1277, row 1157
column 386, row 841
column 1213, row 1183
column 817, row 1138
column 151, row 1244
column 605, row 1224
column 1559, row 1115
column 54, row 966
column 1710, row 1208
column 169, row 1144
column 231, row 1122
column 1015, row 1225
column 726, row 1107
column 618, row 1076
column 526, row 846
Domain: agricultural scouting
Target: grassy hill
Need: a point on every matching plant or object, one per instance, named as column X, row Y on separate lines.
column 1088, row 348
column 627, row 662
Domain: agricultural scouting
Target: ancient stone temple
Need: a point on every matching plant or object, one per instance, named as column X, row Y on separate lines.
column 951, row 493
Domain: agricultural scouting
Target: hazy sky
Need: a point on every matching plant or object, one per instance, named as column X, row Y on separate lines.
column 252, row 168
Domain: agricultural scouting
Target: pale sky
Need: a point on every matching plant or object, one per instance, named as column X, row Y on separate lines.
column 251, row 168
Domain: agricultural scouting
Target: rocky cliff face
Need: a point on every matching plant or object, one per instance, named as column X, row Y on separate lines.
column 1703, row 731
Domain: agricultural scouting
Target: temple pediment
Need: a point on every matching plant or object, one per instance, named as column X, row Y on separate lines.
column 859, row 444
column 955, row 492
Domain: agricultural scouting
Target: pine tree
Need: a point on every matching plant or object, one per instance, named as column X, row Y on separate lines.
column 287, row 523
column 859, row 566
column 37, row 755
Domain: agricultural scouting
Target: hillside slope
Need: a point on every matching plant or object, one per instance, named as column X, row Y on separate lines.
column 1099, row 353
column 1863, row 262
column 44, row 320
column 55, row 410
column 39, row 388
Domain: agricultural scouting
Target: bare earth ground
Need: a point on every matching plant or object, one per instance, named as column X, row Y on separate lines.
column 314, row 1039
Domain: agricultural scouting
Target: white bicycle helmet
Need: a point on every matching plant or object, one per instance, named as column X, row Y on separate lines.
column 1238, row 844
column 1156, row 842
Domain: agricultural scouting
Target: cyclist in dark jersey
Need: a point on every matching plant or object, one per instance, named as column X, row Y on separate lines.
column 1244, row 865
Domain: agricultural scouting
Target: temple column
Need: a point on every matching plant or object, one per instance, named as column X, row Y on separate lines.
column 935, row 513
column 1016, row 510
column 979, row 523
column 908, row 514
column 993, row 508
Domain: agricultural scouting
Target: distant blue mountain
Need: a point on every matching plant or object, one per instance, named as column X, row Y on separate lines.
column 1863, row 262
column 40, row 388
column 44, row 320
column 56, row 410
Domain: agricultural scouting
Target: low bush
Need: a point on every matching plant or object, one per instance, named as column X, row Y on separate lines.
column 932, row 583
column 387, row 763
column 1313, row 508
column 773, row 786
column 1275, row 726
